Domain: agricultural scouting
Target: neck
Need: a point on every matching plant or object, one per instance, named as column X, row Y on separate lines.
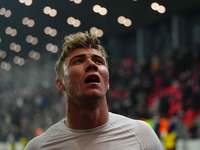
column 84, row 118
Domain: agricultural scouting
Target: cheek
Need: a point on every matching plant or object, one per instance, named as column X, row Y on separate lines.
column 72, row 76
column 105, row 75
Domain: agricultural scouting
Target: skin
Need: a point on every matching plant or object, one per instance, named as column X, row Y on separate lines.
column 85, row 101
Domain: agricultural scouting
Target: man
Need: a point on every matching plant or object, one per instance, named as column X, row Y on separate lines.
column 83, row 77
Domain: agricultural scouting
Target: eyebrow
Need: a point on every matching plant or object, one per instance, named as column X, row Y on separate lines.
column 83, row 55
column 77, row 56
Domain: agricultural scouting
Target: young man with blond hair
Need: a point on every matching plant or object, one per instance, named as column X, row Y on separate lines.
column 83, row 77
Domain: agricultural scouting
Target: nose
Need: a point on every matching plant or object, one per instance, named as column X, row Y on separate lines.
column 91, row 66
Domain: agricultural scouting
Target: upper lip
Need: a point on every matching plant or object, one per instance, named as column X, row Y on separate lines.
column 92, row 78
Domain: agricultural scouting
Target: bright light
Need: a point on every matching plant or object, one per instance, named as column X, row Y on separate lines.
column 96, row 8
column 6, row 66
column 47, row 30
column 77, row 23
column 155, row 6
column 73, row 21
column 8, row 13
column 128, row 22
column 53, row 13
column 2, row 54
column 26, row 2
column 31, row 39
column 125, row 21
column 34, row 41
column 93, row 30
column 97, row 32
column 101, row 10
column 18, row 60
column 31, row 53
column 48, row 46
column 28, row 22
column 52, row 48
column 31, row 23
column 12, row 45
column 121, row 19
column 50, row 31
column 55, row 49
column 15, row 47
column 35, row 55
column 70, row 20
column 11, row 31
column 25, row 20
column 77, row 1
column 49, row 11
column 2, row 11
column 53, row 32
column 22, row 1
column 161, row 9
column 8, row 30
column 28, row 38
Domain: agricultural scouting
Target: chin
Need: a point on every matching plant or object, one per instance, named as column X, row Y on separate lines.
column 91, row 100
column 94, row 95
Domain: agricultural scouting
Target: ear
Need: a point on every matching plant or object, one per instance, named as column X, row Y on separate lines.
column 60, row 84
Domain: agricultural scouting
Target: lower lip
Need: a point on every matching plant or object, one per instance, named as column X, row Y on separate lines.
column 92, row 83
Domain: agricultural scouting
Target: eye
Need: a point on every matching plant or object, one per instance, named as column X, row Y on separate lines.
column 99, row 61
column 78, row 61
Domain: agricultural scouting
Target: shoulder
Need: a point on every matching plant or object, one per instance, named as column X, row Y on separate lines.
column 137, row 125
column 38, row 141
column 121, row 120
column 34, row 144
column 140, row 129
column 147, row 136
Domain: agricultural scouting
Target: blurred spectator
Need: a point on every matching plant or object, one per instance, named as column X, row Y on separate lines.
column 165, row 87
column 169, row 139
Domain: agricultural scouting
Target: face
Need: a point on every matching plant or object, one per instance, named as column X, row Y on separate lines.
column 86, row 77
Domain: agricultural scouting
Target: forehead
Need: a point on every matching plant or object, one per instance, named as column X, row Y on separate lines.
column 84, row 51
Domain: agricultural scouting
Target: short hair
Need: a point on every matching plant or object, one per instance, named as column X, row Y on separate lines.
column 75, row 41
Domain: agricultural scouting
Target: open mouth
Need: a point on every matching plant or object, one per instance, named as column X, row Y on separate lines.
column 92, row 79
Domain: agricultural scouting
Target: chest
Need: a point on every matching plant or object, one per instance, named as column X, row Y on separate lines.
column 116, row 140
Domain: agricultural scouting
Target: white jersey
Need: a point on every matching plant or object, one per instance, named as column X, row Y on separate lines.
column 119, row 133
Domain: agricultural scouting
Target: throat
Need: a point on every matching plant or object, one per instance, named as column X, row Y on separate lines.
column 80, row 118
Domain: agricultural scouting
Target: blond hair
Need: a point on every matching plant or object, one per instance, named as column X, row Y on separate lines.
column 75, row 41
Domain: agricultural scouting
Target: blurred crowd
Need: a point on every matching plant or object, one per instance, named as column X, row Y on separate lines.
column 162, row 90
